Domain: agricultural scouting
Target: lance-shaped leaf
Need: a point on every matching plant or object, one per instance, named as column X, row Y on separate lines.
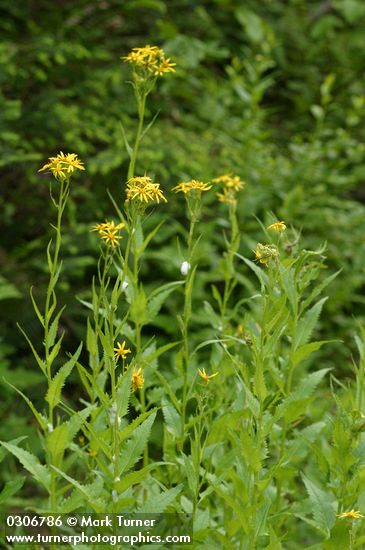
column 54, row 391
column 30, row 463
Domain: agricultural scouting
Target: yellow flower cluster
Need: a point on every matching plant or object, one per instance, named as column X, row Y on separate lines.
column 264, row 252
column 151, row 59
column 143, row 189
column 63, row 166
column 108, row 232
column 232, row 184
column 186, row 187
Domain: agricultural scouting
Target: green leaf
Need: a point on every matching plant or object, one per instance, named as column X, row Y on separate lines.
column 55, row 350
column 35, row 307
column 40, row 418
column 135, row 477
column 157, row 298
column 304, row 351
column 11, row 487
column 52, row 333
column 30, row 463
column 124, row 393
column 261, row 275
column 54, row 391
column 91, row 493
column 172, row 418
column 133, row 449
column 71, row 503
column 126, row 143
column 159, row 503
column 307, row 323
column 36, row 356
column 57, row 442
column 324, row 515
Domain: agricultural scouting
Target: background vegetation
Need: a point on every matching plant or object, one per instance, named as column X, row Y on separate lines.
column 270, row 90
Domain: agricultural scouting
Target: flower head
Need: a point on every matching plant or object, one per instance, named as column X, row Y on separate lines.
column 144, row 190
column 352, row 514
column 137, row 378
column 62, row 166
column 150, row 61
column 206, row 377
column 187, row 186
column 278, row 227
column 264, row 252
column 230, row 182
column 108, row 232
column 121, row 351
column 227, row 196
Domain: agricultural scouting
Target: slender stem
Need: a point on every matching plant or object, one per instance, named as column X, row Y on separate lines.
column 48, row 310
column 185, row 330
column 141, row 100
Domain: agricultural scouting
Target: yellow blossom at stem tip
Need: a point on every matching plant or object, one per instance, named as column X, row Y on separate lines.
column 278, row 227
column 63, row 166
column 121, row 351
column 137, row 378
column 108, row 232
column 352, row 514
column 144, row 190
column 264, row 252
column 187, row 186
column 206, row 377
column 150, row 60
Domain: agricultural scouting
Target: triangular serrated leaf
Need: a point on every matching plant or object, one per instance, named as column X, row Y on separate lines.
column 133, row 449
column 324, row 515
column 30, row 463
column 158, row 503
column 54, row 391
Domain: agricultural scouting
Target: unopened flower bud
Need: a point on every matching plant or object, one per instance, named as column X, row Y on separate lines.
column 185, row 268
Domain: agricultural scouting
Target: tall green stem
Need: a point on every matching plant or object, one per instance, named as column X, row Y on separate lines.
column 185, row 328
column 49, row 308
column 141, row 99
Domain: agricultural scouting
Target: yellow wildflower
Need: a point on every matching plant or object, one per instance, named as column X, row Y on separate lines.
column 186, row 187
column 62, row 166
column 121, row 351
column 110, row 237
column 206, row 377
column 137, row 378
column 166, row 66
column 227, row 196
column 352, row 514
column 108, row 232
column 144, row 190
column 264, row 252
column 278, row 227
column 151, row 59
column 93, row 454
column 230, row 182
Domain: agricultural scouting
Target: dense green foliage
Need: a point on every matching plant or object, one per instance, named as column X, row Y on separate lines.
column 272, row 91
